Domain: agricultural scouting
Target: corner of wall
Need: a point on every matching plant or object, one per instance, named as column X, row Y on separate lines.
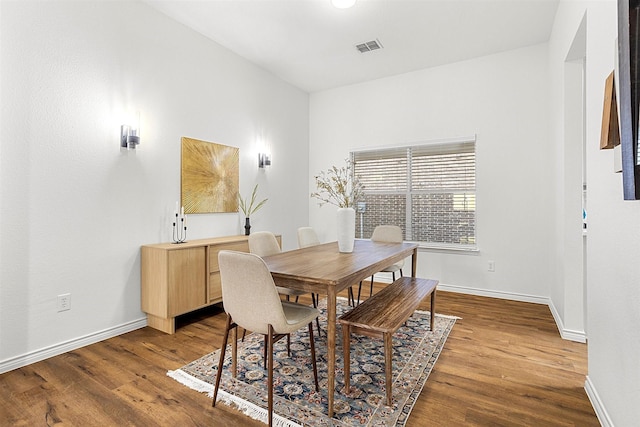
column 566, row 334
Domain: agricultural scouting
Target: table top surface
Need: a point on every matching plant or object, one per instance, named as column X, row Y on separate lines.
column 324, row 264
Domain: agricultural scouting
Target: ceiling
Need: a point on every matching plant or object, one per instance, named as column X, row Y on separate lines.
column 312, row 45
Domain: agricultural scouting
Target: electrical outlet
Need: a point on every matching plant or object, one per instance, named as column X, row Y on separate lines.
column 492, row 266
column 64, row 302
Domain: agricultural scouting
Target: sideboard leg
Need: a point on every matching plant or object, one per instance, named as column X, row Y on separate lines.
column 167, row 326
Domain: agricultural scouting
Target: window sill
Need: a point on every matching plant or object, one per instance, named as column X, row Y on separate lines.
column 467, row 250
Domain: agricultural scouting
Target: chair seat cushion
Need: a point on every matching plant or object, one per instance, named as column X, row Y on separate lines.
column 392, row 268
column 298, row 315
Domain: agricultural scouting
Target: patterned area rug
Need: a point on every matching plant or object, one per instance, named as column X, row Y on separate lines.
column 416, row 350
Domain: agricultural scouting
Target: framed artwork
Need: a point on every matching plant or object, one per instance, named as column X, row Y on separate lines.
column 610, row 134
column 209, row 177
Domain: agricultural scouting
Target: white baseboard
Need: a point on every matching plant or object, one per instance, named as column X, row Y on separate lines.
column 598, row 406
column 63, row 347
column 567, row 334
column 494, row 294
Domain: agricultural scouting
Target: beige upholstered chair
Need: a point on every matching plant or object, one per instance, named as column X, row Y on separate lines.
column 386, row 233
column 307, row 237
column 251, row 301
column 264, row 243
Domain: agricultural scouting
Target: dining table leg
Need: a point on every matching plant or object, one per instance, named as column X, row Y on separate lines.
column 331, row 346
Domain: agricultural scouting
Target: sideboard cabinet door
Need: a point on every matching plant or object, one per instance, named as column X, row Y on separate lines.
column 187, row 280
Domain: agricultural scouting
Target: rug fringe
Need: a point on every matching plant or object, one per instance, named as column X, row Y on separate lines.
column 191, row 382
column 247, row 408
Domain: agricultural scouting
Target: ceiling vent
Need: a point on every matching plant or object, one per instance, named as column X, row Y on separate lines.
column 369, row 46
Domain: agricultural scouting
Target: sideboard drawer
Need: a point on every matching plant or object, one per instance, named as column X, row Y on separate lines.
column 215, row 249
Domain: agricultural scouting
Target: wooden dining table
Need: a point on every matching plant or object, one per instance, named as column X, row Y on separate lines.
column 323, row 269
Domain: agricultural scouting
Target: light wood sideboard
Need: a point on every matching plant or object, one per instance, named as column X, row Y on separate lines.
column 179, row 278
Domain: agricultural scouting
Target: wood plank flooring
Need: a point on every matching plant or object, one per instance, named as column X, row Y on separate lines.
column 504, row 364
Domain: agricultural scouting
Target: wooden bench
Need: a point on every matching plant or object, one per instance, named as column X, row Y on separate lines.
column 381, row 315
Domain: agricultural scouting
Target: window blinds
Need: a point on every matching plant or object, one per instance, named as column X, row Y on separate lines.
column 430, row 187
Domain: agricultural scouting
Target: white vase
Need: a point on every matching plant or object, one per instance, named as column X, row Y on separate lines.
column 346, row 229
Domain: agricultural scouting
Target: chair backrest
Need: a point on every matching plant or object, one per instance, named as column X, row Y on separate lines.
column 307, row 237
column 387, row 233
column 248, row 292
column 263, row 243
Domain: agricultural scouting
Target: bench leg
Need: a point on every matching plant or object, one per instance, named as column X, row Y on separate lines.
column 388, row 354
column 346, row 344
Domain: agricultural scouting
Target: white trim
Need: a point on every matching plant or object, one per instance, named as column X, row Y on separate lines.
column 567, row 334
column 73, row 344
column 596, row 402
column 459, row 249
column 494, row 294
column 468, row 138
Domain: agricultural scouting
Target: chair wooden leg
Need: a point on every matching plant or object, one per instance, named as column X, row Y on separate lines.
column 270, row 374
column 371, row 287
column 289, row 345
column 315, row 305
column 264, row 353
column 234, row 352
column 313, row 356
column 433, row 309
column 221, row 361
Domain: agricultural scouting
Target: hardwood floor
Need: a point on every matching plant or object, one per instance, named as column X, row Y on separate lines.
column 504, row 364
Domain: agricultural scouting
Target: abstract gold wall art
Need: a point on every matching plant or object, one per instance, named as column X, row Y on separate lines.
column 209, row 177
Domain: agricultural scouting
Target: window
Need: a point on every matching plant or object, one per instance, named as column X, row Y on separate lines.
column 428, row 190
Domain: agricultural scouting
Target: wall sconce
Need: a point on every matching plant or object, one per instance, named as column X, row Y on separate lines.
column 130, row 134
column 264, row 160
column 129, row 137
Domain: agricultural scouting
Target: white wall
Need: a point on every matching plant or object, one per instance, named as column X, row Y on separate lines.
column 503, row 99
column 74, row 209
column 613, row 293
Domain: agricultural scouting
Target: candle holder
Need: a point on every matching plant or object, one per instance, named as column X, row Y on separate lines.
column 179, row 230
